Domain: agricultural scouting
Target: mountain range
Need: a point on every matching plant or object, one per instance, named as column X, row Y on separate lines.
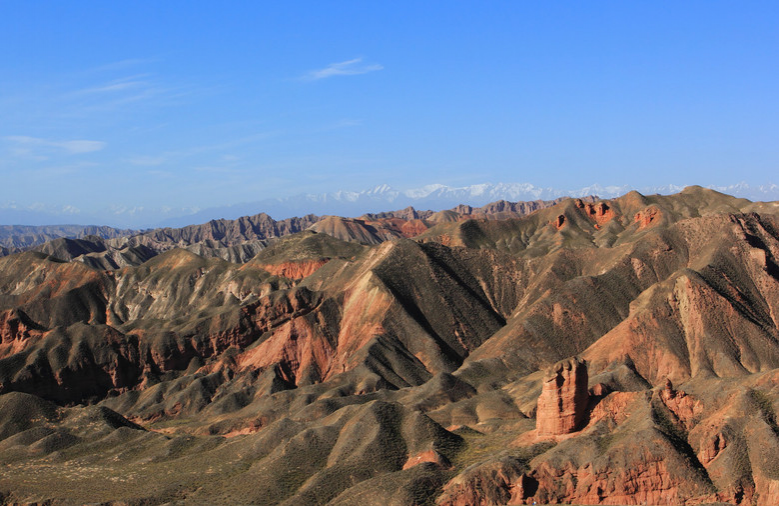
column 585, row 350
column 234, row 240
column 341, row 203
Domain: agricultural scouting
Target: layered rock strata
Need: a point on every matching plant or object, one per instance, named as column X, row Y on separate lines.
column 562, row 406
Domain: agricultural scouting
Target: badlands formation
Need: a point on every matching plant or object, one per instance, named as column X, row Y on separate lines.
column 581, row 351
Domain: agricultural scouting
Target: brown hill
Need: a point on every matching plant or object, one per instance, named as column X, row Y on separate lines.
column 411, row 371
column 409, row 223
column 22, row 237
column 232, row 240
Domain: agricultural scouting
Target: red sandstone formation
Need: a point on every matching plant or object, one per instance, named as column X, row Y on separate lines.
column 614, row 408
column 491, row 484
column 648, row 483
column 15, row 330
column 13, row 327
column 413, row 228
column 646, row 217
column 563, row 402
column 683, row 406
column 427, row 456
column 601, row 212
column 295, row 270
column 712, row 450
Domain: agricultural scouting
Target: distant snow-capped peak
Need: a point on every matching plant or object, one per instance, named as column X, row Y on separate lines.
column 382, row 197
column 515, row 192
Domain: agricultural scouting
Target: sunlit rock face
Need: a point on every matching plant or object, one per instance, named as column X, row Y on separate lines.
column 562, row 405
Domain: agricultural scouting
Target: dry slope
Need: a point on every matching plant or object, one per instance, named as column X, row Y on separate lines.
column 412, row 371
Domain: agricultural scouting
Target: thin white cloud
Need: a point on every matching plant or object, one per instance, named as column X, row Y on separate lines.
column 81, row 146
column 25, row 145
column 116, row 85
column 345, row 68
column 110, row 96
column 126, row 93
column 169, row 157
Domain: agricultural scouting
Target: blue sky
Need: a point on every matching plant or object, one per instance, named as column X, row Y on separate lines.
column 199, row 104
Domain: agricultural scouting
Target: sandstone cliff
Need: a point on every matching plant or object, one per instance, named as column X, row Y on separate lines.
column 562, row 406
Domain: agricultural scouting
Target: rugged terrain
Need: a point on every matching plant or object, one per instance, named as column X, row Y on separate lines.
column 620, row 351
column 235, row 240
column 16, row 238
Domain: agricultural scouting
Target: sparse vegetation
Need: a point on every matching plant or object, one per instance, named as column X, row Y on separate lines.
column 766, row 407
column 261, row 389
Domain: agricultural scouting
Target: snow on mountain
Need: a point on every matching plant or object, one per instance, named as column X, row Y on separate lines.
column 439, row 196
column 347, row 203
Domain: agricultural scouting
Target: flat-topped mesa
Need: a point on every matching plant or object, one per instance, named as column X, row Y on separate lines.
column 562, row 404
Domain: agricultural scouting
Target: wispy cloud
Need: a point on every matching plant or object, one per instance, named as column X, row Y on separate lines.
column 80, row 146
column 122, row 89
column 175, row 156
column 117, row 94
column 116, row 85
column 87, row 98
column 25, row 145
column 345, row 68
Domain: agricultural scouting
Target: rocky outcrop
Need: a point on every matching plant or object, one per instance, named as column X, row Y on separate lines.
column 295, row 270
column 712, row 449
column 684, row 407
column 489, row 484
column 599, row 212
column 649, row 482
column 562, row 405
column 646, row 217
column 430, row 456
column 16, row 329
column 15, row 325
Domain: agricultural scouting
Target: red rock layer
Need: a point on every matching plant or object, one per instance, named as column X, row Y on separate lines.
column 563, row 402
column 600, row 212
column 647, row 216
column 683, row 406
column 14, row 332
column 431, row 456
column 295, row 270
